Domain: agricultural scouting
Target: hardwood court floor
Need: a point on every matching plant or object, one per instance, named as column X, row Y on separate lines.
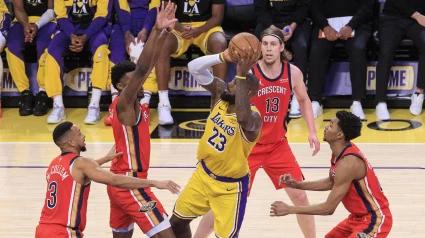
column 26, row 150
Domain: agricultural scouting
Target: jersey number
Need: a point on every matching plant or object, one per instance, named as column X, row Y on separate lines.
column 272, row 105
column 220, row 145
column 53, row 188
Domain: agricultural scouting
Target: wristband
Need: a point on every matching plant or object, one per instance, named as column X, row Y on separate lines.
column 240, row 77
column 222, row 57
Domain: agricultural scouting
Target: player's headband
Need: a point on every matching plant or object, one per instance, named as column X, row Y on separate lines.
column 280, row 39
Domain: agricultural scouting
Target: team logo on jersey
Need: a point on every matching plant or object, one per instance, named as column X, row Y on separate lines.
column 191, row 7
column 230, row 130
column 284, row 80
column 34, row 2
column 79, row 8
column 333, row 172
column 148, row 207
column 362, row 235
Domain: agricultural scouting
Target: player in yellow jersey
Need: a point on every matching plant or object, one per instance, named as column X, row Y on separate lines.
column 221, row 179
column 4, row 29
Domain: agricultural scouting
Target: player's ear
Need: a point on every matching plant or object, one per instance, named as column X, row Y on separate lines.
column 120, row 86
column 340, row 135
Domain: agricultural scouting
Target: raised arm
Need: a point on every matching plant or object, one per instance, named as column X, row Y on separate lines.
column 88, row 168
column 349, row 169
column 249, row 120
column 148, row 58
column 199, row 69
column 300, row 91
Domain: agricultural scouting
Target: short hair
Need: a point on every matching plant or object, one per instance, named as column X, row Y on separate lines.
column 272, row 30
column 61, row 131
column 119, row 70
column 350, row 124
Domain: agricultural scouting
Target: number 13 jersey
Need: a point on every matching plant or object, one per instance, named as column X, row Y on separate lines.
column 272, row 100
column 224, row 147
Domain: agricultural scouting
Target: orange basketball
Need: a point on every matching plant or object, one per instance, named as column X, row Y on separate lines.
column 241, row 40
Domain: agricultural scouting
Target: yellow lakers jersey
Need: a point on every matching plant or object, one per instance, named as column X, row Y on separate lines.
column 3, row 7
column 224, row 147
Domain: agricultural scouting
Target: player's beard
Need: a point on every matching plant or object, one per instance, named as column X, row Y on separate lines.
column 228, row 98
column 83, row 149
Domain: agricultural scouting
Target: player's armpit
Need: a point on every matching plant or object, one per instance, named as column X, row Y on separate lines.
column 252, row 127
column 216, row 88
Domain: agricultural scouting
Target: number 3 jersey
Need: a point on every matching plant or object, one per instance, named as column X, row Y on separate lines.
column 224, row 147
column 272, row 100
column 66, row 200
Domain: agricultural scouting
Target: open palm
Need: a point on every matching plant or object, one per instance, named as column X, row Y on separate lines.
column 165, row 18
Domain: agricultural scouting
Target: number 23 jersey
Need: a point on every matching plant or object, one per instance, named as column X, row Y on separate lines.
column 224, row 147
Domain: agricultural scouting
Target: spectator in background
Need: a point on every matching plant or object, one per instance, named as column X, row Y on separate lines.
column 355, row 17
column 199, row 23
column 135, row 20
column 400, row 18
column 4, row 29
column 292, row 17
column 33, row 23
column 79, row 23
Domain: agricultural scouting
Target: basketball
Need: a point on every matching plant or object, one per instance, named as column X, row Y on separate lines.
column 241, row 40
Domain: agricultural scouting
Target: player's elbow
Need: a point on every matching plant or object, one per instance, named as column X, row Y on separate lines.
column 329, row 210
column 191, row 66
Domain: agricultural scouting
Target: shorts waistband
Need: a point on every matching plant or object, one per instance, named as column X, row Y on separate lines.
column 223, row 179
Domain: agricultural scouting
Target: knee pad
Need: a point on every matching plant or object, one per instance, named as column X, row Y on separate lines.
column 101, row 69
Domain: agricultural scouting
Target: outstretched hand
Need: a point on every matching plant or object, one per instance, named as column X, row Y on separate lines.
column 246, row 60
column 166, row 16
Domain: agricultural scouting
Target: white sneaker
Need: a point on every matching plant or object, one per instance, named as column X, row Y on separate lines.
column 417, row 102
column 93, row 116
column 382, row 111
column 56, row 116
column 317, row 109
column 164, row 114
column 295, row 109
column 356, row 109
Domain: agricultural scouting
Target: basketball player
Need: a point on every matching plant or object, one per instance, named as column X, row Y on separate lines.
column 68, row 184
column 221, row 180
column 81, row 23
column 351, row 180
column 135, row 20
column 130, row 125
column 4, row 29
column 278, row 79
column 34, row 22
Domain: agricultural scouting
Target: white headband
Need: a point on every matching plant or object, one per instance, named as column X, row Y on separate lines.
column 280, row 39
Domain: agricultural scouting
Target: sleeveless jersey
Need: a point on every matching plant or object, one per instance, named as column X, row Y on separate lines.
column 365, row 195
column 66, row 200
column 35, row 7
column 224, row 147
column 272, row 100
column 134, row 142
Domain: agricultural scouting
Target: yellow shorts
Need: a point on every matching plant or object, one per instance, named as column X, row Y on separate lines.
column 150, row 83
column 226, row 198
column 200, row 41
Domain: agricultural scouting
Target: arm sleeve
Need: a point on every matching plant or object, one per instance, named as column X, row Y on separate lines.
column 301, row 13
column 262, row 12
column 63, row 20
column 45, row 18
column 199, row 68
column 100, row 18
column 363, row 14
column 151, row 17
column 319, row 14
column 123, row 13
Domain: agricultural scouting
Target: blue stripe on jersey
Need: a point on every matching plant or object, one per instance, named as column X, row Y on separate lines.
column 137, row 148
column 368, row 207
column 80, row 205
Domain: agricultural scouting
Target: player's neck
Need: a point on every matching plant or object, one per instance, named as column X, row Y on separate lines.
column 271, row 70
column 71, row 150
column 338, row 147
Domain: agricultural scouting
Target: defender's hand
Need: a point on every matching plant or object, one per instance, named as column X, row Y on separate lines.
column 168, row 184
column 288, row 180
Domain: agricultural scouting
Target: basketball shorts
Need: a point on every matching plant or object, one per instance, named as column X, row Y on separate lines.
column 363, row 227
column 277, row 159
column 57, row 231
column 200, row 41
column 226, row 197
column 138, row 206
